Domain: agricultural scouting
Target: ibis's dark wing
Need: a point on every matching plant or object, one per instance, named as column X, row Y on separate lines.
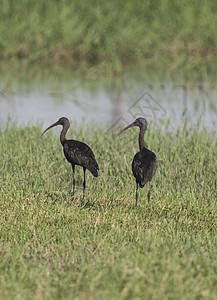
column 144, row 166
column 79, row 153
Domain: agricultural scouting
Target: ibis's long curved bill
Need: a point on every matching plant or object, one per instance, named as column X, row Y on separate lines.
column 51, row 126
column 125, row 128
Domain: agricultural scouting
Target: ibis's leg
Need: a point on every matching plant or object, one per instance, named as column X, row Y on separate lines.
column 137, row 185
column 149, row 191
column 84, row 183
column 73, row 169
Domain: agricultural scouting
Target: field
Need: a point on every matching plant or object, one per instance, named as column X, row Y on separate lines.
column 158, row 39
column 53, row 248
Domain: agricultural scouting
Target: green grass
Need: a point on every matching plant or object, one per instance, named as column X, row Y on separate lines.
column 166, row 39
column 52, row 248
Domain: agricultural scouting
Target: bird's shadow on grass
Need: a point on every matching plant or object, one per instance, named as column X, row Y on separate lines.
column 89, row 203
column 59, row 197
column 69, row 200
column 111, row 205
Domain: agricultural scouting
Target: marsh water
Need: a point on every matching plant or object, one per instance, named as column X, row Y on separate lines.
column 44, row 104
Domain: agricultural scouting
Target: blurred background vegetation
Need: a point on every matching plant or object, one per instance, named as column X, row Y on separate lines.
column 97, row 39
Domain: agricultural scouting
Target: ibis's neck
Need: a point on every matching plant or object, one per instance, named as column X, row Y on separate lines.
column 141, row 138
column 63, row 134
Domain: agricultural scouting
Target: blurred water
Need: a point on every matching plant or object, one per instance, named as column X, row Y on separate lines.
column 44, row 105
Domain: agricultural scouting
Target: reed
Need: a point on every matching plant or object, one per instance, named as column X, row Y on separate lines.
column 163, row 39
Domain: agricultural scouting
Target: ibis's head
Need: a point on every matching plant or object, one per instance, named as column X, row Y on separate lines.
column 140, row 122
column 62, row 121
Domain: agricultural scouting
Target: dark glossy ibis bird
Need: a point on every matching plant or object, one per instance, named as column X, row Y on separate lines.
column 77, row 153
column 144, row 163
